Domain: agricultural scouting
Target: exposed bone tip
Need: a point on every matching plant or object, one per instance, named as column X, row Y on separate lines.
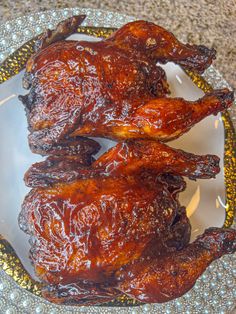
column 225, row 96
column 224, row 237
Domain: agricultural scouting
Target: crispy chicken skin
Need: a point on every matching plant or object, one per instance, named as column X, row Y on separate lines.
column 171, row 275
column 126, row 158
column 80, row 293
column 100, row 228
column 86, row 230
column 80, row 147
column 112, row 88
column 89, row 228
column 162, row 46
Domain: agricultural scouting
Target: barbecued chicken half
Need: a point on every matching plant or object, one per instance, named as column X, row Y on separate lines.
column 116, row 226
column 111, row 226
column 112, row 88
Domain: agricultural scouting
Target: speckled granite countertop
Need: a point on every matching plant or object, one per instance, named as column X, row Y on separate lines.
column 209, row 22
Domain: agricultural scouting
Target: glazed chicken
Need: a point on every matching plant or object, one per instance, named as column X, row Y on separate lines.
column 129, row 158
column 111, row 226
column 86, row 224
column 112, row 88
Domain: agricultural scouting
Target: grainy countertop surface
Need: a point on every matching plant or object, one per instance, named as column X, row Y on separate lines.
column 209, row 22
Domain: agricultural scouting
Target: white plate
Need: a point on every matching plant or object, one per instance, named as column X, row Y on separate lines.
column 204, row 199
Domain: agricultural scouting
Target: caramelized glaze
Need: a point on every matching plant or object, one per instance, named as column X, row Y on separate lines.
column 115, row 225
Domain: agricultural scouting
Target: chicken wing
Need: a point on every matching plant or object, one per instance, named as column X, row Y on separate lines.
column 80, row 293
column 161, row 45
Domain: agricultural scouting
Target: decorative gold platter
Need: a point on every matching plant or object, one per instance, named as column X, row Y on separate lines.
column 10, row 263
